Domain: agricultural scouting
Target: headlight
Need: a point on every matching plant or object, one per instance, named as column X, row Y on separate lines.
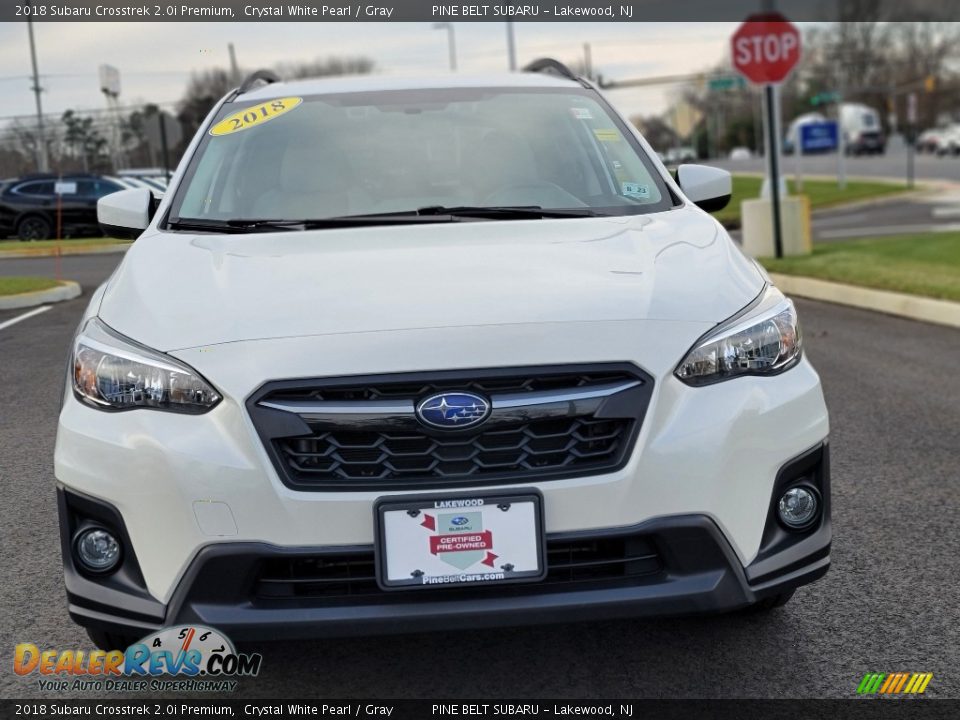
column 111, row 372
column 764, row 339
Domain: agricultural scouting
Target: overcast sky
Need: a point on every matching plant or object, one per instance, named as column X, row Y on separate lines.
column 155, row 59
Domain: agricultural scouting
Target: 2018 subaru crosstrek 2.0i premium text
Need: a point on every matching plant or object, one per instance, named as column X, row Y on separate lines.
column 394, row 355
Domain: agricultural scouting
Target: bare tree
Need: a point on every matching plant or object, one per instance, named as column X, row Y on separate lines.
column 82, row 140
column 206, row 88
column 656, row 130
column 325, row 67
column 202, row 93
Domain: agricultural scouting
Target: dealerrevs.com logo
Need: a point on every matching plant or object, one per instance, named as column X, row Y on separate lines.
column 197, row 658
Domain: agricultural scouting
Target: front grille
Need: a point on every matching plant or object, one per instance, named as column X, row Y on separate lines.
column 573, row 444
column 350, row 577
column 334, row 434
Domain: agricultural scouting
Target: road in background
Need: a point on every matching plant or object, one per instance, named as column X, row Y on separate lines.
column 928, row 212
column 892, row 165
column 932, row 212
column 889, row 603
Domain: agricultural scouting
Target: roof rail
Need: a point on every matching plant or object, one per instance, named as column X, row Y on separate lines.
column 266, row 76
column 549, row 65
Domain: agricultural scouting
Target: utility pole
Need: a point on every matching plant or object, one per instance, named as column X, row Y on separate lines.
column 841, row 137
column 234, row 68
column 511, row 47
column 42, row 163
column 451, row 42
column 587, row 61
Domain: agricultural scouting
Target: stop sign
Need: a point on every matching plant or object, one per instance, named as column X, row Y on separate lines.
column 765, row 48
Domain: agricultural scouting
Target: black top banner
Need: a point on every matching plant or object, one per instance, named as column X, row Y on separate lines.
column 434, row 10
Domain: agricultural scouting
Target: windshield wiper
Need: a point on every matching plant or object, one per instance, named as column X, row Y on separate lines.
column 506, row 212
column 248, row 225
column 430, row 214
column 231, row 226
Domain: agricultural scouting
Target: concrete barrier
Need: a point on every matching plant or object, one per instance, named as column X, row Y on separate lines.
column 757, row 226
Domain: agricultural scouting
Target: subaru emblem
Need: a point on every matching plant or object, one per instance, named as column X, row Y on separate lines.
column 453, row 410
column 459, row 520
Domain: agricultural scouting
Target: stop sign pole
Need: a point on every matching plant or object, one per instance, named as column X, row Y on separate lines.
column 766, row 47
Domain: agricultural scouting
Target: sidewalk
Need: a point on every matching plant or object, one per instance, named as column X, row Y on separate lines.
column 67, row 247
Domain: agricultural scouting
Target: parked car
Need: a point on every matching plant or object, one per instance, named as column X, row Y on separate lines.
column 396, row 355
column 929, row 140
column 154, row 177
column 678, row 155
column 29, row 206
column 130, row 181
column 740, row 153
column 948, row 141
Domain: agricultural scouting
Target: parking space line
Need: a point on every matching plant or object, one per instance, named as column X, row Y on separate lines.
column 18, row 318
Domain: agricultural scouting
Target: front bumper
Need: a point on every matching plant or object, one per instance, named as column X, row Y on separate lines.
column 665, row 566
column 187, row 487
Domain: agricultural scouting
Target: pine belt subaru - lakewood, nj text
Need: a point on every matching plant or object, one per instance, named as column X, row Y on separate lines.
column 404, row 354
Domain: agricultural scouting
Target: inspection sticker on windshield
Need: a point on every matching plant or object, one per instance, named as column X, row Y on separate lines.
column 604, row 135
column 256, row 115
column 636, row 190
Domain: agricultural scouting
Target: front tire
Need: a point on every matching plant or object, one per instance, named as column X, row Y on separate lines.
column 34, row 227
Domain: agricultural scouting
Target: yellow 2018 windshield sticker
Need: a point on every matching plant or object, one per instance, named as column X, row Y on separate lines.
column 605, row 135
column 255, row 115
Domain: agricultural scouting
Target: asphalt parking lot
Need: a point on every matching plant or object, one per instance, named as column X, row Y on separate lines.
column 890, row 602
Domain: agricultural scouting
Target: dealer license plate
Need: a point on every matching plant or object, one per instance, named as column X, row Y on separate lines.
column 434, row 542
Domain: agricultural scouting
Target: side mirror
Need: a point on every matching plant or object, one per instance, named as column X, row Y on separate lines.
column 126, row 213
column 708, row 188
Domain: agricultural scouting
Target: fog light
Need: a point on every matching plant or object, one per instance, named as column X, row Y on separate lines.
column 798, row 507
column 98, row 550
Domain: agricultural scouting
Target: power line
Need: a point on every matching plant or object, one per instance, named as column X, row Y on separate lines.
column 95, row 111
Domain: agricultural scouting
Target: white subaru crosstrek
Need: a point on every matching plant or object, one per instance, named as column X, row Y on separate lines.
column 394, row 355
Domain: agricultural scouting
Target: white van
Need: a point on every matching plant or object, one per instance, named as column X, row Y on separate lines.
column 862, row 131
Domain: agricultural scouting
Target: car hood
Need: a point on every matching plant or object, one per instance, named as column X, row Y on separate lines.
column 178, row 290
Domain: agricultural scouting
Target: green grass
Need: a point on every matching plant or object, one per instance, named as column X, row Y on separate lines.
column 822, row 193
column 924, row 264
column 41, row 244
column 15, row 285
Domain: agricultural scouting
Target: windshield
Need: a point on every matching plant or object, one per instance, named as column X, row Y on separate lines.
column 386, row 152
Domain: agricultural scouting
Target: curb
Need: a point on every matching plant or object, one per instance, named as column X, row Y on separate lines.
column 67, row 291
column 28, row 252
column 939, row 312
